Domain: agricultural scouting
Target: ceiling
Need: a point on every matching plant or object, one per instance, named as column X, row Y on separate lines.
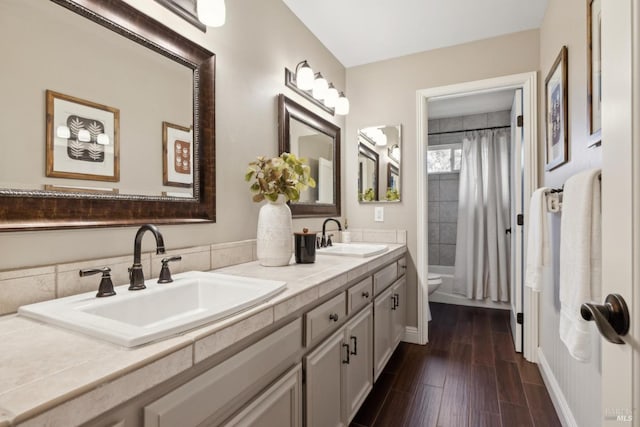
column 477, row 103
column 363, row 31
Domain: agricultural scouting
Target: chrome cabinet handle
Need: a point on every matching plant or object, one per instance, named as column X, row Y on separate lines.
column 348, row 352
column 612, row 318
column 334, row 317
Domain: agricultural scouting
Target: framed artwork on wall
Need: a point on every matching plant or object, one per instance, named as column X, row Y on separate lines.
column 177, row 158
column 556, row 112
column 186, row 9
column 82, row 140
column 594, row 67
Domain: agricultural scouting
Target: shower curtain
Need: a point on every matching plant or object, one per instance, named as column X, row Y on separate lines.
column 482, row 245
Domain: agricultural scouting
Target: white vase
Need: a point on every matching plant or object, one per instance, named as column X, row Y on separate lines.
column 274, row 234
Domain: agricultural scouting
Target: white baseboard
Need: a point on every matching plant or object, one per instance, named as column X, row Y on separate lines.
column 411, row 335
column 555, row 392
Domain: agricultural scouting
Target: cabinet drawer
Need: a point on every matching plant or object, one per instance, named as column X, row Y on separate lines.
column 385, row 277
column 359, row 295
column 325, row 318
column 402, row 266
column 213, row 395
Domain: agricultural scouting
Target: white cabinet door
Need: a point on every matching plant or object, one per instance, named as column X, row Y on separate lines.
column 382, row 331
column 359, row 370
column 278, row 406
column 324, row 389
column 398, row 311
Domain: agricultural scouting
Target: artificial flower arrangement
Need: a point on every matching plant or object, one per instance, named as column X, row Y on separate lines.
column 286, row 174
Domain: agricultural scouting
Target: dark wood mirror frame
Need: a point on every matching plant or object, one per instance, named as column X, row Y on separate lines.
column 375, row 158
column 288, row 109
column 37, row 210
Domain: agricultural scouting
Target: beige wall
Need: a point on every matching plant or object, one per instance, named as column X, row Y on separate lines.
column 260, row 38
column 385, row 93
column 565, row 23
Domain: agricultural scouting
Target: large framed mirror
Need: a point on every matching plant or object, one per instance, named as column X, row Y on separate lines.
column 96, row 84
column 379, row 163
column 308, row 135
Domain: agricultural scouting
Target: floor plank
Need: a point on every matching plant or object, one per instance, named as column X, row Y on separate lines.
column 474, row 379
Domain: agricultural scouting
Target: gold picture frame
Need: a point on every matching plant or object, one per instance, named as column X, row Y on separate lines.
column 556, row 112
column 82, row 139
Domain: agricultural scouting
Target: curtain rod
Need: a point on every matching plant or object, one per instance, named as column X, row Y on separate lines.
column 468, row 130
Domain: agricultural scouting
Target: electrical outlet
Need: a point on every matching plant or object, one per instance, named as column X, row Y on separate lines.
column 378, row 214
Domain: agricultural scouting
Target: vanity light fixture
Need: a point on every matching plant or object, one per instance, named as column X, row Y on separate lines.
column 211, row 13
column 315, row 88
column 331, row 97
column 320, row 87
column 342, row 105
column 305, row 77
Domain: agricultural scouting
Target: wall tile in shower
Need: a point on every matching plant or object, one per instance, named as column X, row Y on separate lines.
column 450, row 123
column 447, row 255
column 447, row 232
column 434, row 188
column 449, row 212
column 434, row 254
column 449, row 190
column 434, row 232
column 499, row 118
column 474, row 121
column 434, row 211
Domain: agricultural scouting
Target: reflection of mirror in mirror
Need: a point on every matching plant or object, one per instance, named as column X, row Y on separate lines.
column 317, row 148
column 62, row 51
column 305, row 134
column 379, row 163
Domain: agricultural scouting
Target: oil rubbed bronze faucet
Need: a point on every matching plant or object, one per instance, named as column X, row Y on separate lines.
column 324, row 241
column 136, row 275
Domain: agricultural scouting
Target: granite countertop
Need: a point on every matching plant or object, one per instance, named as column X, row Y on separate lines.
column 53, row 376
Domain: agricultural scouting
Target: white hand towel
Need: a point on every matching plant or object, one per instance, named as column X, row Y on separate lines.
column 580, row 259
column 538, row 252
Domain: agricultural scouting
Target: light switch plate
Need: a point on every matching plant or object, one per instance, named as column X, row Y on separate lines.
column 378, row 214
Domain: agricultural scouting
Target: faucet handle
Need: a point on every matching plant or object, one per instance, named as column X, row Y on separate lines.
column 329, row 242
column 106, row 285
column 165, row 273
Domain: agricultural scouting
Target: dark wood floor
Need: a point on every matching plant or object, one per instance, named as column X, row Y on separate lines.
column 467, row 375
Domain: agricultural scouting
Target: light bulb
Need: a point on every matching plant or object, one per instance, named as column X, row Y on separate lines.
column 63, row 132
column 342, row 105
column 331, row 97
column 320, row 87
column 304, row 76
column 84, row 135
column 211, row 13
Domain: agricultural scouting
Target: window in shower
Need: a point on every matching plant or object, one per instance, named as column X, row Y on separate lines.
column 444, row 158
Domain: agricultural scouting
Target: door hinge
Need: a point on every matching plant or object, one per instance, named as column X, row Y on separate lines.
column 520, row 318
column 520, row 121
column 520, row 219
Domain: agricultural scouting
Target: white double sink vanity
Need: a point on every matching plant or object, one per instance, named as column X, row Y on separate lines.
column 244, row 345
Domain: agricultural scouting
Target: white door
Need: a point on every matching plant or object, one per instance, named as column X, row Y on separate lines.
column 620, row 204
column 517, row 207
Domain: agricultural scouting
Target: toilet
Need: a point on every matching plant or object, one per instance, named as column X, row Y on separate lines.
column 434, row 281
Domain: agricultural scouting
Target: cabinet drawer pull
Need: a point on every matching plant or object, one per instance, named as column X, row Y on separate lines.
column 365, row 295
column 354, row 340
column 396, row 298
column 348, row 352
column 393, row 302
column 334, row 317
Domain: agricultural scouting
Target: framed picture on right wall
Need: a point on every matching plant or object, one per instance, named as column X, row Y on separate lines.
column 594, row 66
column 556, row 112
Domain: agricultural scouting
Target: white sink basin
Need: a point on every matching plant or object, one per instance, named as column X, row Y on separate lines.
column 354, row 249
column 132, row 318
